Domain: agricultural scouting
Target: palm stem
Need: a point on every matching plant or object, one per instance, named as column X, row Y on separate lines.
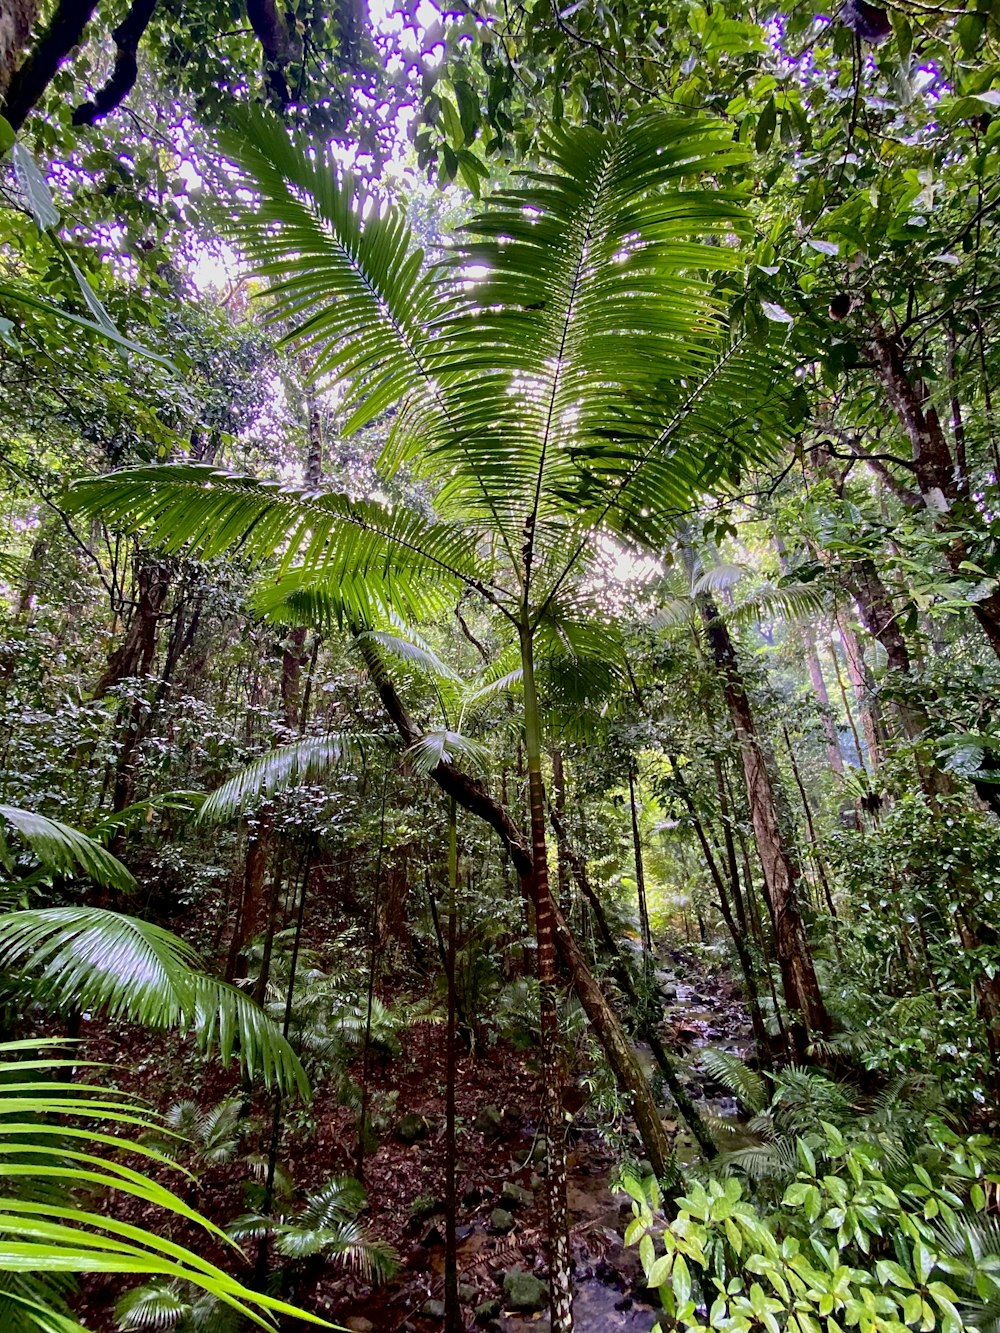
column 560, row 1282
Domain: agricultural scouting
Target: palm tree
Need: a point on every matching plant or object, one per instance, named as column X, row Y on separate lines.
column 565, row 376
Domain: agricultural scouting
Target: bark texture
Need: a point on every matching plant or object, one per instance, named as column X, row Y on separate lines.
column 781, row 876
column 64, row 31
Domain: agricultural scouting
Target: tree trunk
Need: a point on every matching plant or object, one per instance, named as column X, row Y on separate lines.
column 640, row 877
column 941, row 477
column 249, row 912
column 867, row 762
column 26, row 85
column 557, row 1219
column 780, row 872
column 294, row 657
column 453, row 1322
column 17, row 21
column 559, row 802
column 818, row 681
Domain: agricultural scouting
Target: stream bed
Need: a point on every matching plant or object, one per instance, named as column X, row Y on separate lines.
column 610, row 1295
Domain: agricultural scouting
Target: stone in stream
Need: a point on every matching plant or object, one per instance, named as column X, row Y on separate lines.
column 501, row 1222
column 523, row 1291
column 514, row 1193
column 411, row 1128
column 357, row 1323
column 467, row 1293
column 489, row 1123
column 433, row 1309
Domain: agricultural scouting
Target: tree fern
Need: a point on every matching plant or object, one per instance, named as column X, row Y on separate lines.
column 747, row 1086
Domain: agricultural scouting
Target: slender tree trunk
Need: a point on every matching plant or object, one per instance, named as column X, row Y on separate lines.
column 260, row 1271
column 640, row 878
column 780, row 872
column 759, row 1028
column 294, row 658
column 880, row 619
column 818, row 681
column 872, row 761
column 810, row 824
column 260, row 990
column 452, row 1310
column 254, row 871
column 373, row 955
column 557, row 1218
column 559, row 801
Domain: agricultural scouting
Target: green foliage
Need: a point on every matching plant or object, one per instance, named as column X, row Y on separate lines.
column 932, row 873
column 60, row 1145
column 843, row 1246
column 326, row 1225
column 90, row 958
column 61, row 849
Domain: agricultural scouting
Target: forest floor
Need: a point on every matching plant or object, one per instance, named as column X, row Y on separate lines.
column 499, row 1157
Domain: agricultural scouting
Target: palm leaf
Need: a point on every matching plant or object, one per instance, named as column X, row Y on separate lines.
column 63, row 849
column 368, row 559
column 444, row 747
column 343, row 274
column 56, row 1235
column 91, row 959
column 286, row 767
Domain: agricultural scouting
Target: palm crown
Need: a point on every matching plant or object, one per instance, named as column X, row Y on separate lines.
column 584, row 380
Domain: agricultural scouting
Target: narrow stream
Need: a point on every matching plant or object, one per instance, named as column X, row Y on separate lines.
column 610, row 1295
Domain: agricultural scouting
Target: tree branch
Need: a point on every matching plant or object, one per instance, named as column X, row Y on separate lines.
column 63, row 32
column 127, row 36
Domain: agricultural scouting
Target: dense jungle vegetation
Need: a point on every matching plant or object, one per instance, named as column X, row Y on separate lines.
column 499, row 666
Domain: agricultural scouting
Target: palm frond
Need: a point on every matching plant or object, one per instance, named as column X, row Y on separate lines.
column 185, row 802
column 63, row 849
column 718, row 578
column 789, row 601
column 92, row 959
column 343, row 274
column 444, row 747
column 309, row 760
column 157, row 1305
column 369, row 558
column 43, row 1117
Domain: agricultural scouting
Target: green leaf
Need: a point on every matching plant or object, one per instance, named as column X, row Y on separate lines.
column 681, row 1280
column 766, row 123
column 34, row 188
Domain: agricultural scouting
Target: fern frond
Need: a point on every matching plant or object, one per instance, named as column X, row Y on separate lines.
column 729, row 1070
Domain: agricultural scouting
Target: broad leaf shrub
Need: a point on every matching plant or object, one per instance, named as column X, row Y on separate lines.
column 857, row 1241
